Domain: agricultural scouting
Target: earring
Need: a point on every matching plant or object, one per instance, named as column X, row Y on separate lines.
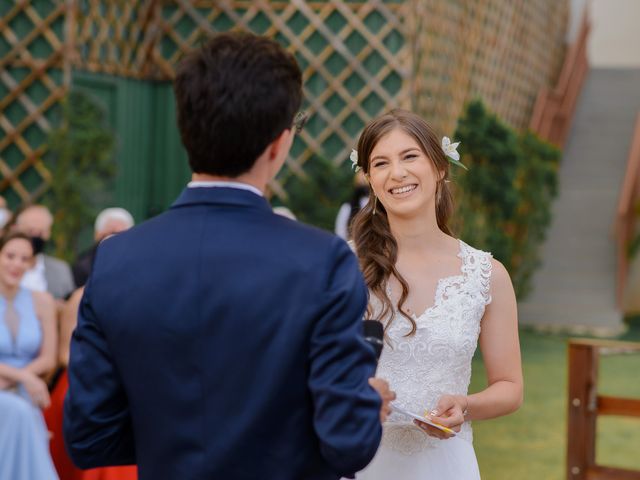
column 375, row 204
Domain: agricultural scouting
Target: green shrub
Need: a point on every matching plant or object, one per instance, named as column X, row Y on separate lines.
column 316, row 198
column 504, row 199
column 81, row 168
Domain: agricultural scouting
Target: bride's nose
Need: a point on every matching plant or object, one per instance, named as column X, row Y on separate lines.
column 398, row 171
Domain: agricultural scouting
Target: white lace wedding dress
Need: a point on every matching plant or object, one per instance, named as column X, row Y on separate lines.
column 435, row 361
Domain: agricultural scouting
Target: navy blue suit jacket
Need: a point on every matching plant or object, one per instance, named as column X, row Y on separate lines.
column 221, row 341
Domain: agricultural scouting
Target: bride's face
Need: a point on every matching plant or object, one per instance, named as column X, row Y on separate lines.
column 401, row 175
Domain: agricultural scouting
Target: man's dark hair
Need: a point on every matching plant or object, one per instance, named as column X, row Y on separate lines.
column 234, row 96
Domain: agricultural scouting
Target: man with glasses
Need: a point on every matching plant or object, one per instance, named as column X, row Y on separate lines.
column 219, row 340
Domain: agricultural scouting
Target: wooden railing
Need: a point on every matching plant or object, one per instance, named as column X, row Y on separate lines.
column 585, row 404
column 553, row 110
column 627, row 214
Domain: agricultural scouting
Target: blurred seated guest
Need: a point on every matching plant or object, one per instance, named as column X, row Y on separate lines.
column 108, row 222
column 48, row 274
column 348, row 210
column 53, row 415
column 27, row 353
column 5, row 213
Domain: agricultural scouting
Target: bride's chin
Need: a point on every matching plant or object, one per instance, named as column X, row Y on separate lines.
column 403, row 213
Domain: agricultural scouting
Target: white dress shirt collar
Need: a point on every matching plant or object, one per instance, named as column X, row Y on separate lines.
column 221, row 183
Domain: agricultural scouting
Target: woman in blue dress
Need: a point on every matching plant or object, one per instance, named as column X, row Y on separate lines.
column 27, row 353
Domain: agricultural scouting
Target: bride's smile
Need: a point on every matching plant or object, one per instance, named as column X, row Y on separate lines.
column 403, row 192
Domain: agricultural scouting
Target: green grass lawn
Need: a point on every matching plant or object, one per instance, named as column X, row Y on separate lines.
column 531, row 443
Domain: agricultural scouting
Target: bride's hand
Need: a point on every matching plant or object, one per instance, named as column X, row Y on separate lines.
column 449, row 413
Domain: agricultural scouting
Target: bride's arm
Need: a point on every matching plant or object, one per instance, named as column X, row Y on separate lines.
column 500, row 351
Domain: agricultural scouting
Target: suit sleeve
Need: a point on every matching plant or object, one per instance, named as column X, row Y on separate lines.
column 346, row 407
column 97, row 424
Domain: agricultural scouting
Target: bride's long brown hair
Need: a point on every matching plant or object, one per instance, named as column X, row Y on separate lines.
column 376, row 247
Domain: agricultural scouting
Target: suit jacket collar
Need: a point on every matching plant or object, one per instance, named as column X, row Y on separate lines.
column 220, row 196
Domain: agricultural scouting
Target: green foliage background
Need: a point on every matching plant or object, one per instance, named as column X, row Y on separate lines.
column 504, row 199
column 81, row 166
column 316, row 198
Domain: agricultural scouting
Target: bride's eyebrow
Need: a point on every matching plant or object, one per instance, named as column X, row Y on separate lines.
column 384, row 157
column 410, row 150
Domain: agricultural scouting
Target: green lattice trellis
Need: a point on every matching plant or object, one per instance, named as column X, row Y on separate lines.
column 359, row 57
column 32, row 81
column 353, row 56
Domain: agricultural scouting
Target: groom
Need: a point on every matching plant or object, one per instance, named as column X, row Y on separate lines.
column 218, row 340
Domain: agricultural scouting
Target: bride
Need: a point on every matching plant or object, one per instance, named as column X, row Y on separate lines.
column 437, row 296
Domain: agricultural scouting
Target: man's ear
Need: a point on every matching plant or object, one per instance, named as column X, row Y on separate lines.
column 278, row 144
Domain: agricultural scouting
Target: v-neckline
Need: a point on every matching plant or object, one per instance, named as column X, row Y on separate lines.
column 437, row 294
column 13, row 340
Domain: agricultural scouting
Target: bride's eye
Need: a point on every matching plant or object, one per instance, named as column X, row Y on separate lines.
column 410, row 156
column 378, row 163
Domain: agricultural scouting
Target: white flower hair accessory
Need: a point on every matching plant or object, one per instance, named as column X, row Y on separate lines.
column 451, row 151
column 354, row 161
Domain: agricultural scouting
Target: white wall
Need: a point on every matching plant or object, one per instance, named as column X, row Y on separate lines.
column 615, row 33
column 576, row 12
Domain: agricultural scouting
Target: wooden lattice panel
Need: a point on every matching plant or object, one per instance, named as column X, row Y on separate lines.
column 354, row 56
column 359, row 58
column 502, row 52
column 33, row 78
column 115, row 37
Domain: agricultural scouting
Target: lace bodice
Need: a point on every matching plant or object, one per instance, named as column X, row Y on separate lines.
column 436, row 360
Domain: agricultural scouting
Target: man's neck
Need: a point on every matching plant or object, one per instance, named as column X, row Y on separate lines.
column 245, row 178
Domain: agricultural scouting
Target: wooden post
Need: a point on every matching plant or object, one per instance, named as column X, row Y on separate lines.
column 582, row 410
column 585, row 405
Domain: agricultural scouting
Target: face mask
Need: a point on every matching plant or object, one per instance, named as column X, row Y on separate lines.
column 5, row 215
column 38, row 244
column 361, row 191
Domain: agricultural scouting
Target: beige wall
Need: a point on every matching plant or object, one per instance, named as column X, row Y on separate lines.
column 576, row 12
column 615, row 34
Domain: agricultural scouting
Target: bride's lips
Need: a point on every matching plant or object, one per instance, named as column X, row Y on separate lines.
column 403, row 191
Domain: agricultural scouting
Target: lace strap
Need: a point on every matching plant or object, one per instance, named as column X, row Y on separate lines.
column 476, row 265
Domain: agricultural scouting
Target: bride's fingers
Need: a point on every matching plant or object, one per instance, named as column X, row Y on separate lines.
column 452, row 419
column 445, row 404
column 432, row 431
